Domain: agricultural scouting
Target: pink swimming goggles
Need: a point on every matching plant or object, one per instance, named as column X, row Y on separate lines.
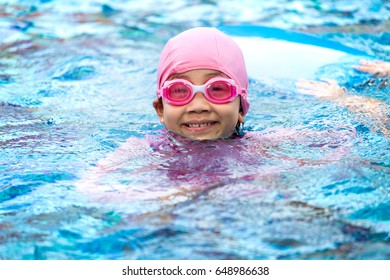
column 218, row 90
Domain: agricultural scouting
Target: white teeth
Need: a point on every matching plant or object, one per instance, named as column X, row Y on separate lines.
column 193, row 125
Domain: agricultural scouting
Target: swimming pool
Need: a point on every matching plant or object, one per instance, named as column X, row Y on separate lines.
column 77, row 80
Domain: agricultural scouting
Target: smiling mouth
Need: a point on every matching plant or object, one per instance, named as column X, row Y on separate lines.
column 198, row 125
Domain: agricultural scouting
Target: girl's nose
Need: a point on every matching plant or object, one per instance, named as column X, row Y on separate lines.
column 199, row 104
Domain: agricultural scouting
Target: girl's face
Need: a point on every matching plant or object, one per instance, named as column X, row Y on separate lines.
column 200, row 119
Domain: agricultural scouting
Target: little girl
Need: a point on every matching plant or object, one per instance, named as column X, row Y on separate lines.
column 202, row 85
column 201, row 96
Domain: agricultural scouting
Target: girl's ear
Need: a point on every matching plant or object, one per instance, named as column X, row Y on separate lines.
column 240, row 118
column 159, row 107
column 239, row 125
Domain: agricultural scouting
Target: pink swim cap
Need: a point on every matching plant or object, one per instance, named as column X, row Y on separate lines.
column 204, row 48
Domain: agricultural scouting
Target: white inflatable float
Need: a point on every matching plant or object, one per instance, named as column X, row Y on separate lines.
column 272, row 53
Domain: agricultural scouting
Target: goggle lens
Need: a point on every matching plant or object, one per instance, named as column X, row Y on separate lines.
column 178, row 92
column 220, row 90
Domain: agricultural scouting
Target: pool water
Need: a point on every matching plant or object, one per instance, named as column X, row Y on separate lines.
column 310, row 180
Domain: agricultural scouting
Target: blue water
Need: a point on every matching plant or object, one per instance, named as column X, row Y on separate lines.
column 78, row 78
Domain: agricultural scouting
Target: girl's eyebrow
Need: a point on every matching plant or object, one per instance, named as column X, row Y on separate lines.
column 215, row 74
column 178, row 76
column 183, row 76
